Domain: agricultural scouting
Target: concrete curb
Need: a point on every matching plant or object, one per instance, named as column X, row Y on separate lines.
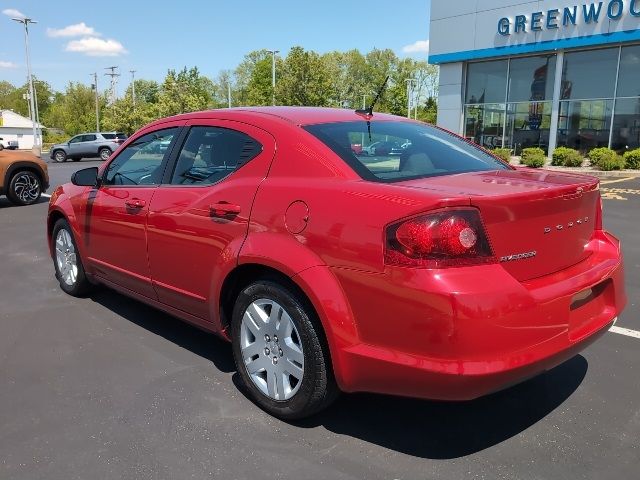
column 597, row 173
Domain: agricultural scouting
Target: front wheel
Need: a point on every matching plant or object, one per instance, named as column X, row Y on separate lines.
column 67, row 262
column 280, row 353
column 25, row 188
column 59, row 156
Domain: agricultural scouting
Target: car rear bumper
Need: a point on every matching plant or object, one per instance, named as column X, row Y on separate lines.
column 461, row 333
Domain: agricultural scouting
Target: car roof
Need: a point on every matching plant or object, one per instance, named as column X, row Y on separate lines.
column 295, row 115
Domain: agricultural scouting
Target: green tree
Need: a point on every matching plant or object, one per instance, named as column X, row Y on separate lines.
column 304, row 80
column 184, row 91
column 74, row 110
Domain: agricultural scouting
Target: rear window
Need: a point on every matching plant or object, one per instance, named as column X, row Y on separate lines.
column 109, row 136
column 396, row 151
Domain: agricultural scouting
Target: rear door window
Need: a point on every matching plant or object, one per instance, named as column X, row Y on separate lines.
column 210, row 154
column 390, row 151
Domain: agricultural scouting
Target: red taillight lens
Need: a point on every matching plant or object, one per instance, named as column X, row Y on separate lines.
column 441, row 239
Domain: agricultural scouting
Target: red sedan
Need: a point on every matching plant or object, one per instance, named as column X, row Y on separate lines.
column 440, row 273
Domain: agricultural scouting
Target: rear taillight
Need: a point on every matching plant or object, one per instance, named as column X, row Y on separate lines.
column 598, row 223
column 442, row 239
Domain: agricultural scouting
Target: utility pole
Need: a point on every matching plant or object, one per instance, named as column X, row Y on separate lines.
column 133, row 88
column 95, row 89
column 114, row 81
column 273, row 73
column 229, row 92
column 33, row 115
column 410, row 82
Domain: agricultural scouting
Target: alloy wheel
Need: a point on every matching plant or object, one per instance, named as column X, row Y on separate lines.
column 26, row 187
column 271, row 349
column 66, row 258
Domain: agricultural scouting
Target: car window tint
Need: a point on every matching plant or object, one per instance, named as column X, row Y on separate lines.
column 396, row 151
column 108, row 136
column 209, row 154
column 76, row 139
column 140, row 163
column 89, row 138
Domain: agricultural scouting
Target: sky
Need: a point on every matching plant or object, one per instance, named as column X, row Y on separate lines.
column 74, row 38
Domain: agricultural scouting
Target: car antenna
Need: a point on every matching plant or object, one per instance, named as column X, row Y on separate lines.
column 368, row 112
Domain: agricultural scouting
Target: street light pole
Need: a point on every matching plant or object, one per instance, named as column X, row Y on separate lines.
column 410, row 82
column 273, row 73
column 229, row 92
column 133, row 88
column 34, row 114
column 95, row 88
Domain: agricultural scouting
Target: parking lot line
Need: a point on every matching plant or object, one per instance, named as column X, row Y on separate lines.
column 606, row 182
column 625, row 331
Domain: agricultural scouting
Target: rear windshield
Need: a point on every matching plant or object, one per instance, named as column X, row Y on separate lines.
column 396, row 151
column 113, row 136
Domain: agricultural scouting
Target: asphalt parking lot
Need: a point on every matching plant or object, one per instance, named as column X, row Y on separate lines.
column 106, row 387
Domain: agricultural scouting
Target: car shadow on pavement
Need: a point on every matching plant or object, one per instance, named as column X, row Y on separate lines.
column 421, row 428
column 199, row 342
column 447, row 430
column 5, row 203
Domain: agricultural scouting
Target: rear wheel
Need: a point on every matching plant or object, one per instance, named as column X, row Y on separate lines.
column 280, row 353
column 104, row 153
column 67, row 262
column 25, row 188
column 59, row 156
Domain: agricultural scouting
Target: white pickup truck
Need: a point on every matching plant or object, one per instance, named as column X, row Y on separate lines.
column 8, row 144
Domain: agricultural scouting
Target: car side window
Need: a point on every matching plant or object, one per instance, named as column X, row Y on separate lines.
column 140, row 163
column 76, row 139
column 210, row 154
column 89, row 138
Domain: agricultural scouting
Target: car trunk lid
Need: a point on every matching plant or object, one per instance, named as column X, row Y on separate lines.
column 538, row 222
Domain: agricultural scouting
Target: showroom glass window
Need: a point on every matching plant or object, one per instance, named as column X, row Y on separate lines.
column 586, row 98
column 485, row 102
column 626, row 123
column 508, row 102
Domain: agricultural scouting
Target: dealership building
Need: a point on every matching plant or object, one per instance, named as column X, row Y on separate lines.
column 542, row 73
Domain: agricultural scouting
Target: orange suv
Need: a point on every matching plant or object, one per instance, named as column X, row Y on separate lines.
column 23, row 177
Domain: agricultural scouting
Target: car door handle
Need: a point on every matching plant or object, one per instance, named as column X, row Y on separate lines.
column 135, row 203
column 223, row 209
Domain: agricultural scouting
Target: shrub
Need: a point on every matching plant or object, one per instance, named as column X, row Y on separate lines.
column 597, row 153
column 532, row 152
column 573, row 159
column 611, row 161
column 568, row 157
column 632, row 158
column 533, row 157
column 503, row 153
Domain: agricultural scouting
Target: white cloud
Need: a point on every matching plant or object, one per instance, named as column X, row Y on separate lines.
column 13, row 13
column 419, row 46
column 7, row 64
column 96, row 47
column 76, row 30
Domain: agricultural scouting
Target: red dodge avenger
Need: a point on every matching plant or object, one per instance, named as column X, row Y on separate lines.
column 435, row 271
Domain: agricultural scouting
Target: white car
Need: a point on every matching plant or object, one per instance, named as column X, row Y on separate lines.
column 8, row 144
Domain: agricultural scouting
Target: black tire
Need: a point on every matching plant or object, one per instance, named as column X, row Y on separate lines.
column 104, row 153
column 318, row 388
column 81, row 286
column 59, row 156
column 25, row 188
column 1, row 147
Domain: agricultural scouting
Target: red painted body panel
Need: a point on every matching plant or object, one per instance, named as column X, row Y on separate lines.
column 450, row 333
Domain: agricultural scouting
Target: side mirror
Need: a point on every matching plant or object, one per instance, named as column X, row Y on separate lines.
column 87, row 177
